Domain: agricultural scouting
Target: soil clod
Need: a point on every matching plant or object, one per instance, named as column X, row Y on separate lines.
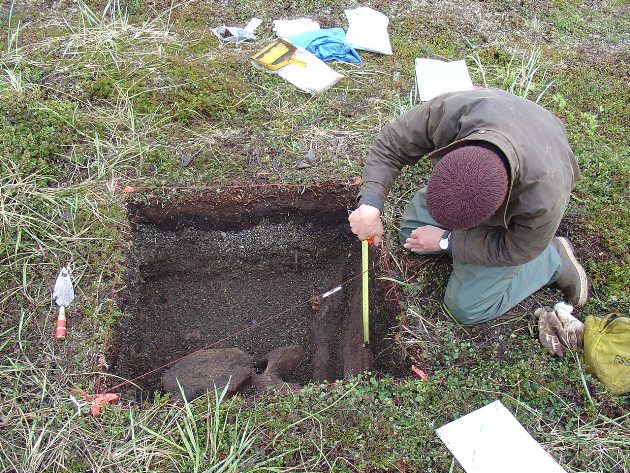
column 280, row 364
column 207, row 370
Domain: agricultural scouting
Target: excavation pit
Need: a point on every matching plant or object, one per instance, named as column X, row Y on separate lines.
column 237, row 269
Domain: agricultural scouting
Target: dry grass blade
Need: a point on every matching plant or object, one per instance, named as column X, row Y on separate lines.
column 109, row 30
column 523, row 75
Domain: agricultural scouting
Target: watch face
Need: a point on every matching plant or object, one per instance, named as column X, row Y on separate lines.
column 444, row 243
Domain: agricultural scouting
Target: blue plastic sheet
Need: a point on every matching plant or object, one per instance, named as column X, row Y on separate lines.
column 328, row 44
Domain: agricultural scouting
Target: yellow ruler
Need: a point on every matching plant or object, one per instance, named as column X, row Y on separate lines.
column 365, row 290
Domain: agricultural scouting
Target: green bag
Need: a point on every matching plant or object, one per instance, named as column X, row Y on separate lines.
column 607, row 350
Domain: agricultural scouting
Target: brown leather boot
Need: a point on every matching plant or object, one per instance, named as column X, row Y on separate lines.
column 572, row 281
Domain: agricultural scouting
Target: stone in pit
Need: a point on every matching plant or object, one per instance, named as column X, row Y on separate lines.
column 202, row 370
column 280, row 363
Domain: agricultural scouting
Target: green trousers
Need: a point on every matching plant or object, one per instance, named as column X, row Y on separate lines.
column 477, row 293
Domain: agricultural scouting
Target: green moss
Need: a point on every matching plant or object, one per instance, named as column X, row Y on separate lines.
column 37, row 135
column 208, row 91
column 568, row 18
column 591, row 99
column 421, row 36
column 102, row 88
column 592, row 92
column 203, row 43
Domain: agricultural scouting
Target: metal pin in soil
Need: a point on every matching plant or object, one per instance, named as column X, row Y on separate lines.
column 365, row 290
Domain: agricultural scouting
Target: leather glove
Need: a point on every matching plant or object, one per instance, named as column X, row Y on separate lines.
column 572, row 327
column 550, row 331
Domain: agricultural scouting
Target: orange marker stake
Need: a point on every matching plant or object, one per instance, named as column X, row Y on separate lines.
column 97, row 401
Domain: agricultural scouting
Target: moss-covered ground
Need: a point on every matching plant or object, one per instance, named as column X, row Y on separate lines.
column 98, row 96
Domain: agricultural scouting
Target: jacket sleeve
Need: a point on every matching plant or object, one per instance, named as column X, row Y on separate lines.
column 498, row 246
column 400, row 142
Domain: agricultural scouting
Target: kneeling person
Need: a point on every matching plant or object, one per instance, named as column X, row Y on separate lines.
column 503, row 173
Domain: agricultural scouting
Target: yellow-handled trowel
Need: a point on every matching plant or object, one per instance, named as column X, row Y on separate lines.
column 277, row 54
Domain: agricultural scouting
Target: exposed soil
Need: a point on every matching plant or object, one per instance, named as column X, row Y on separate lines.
column 237, row 270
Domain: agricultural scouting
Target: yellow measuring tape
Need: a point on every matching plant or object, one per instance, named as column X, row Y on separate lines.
column 365, row 289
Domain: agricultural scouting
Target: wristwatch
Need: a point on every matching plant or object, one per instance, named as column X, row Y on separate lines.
column 445, row 241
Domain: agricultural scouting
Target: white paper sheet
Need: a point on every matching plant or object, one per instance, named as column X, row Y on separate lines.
column 316, row 77
column 435, row 77
column 286, row 28
column 491, row 440
column 252, row 25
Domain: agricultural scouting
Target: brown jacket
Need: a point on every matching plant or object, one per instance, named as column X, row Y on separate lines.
column 542, row 167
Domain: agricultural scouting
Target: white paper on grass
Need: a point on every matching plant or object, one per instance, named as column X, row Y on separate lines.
column 491, row 440
column 286, row 28
column 315, row 77
column 252, row 25
column 435, row 77
column 367, row 30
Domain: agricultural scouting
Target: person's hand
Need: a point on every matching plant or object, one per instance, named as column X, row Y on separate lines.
column 425, row 238
column 365, row 222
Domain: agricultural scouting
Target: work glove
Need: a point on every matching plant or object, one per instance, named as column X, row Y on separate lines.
column 572, row 327
column 550, row 331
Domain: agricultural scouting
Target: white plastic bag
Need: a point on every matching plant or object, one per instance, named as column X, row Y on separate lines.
column 368, row 30
column 234, row 34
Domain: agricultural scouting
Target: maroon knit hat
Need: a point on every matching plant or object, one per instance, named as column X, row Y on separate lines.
column 467, row 186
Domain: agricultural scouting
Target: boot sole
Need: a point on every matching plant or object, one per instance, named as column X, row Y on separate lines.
column 568, row 247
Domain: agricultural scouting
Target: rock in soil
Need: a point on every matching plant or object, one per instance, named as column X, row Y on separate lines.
column 202, row 370
column 280, row 363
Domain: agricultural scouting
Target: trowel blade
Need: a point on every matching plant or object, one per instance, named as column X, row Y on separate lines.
column 63, row 294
